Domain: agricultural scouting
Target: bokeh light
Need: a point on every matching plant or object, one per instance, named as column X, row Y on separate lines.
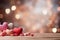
column 18, row 16
column 13, row 8
column 7, row 11
column 54, row 30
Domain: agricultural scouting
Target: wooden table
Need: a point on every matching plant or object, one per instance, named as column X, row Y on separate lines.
column 38, row 36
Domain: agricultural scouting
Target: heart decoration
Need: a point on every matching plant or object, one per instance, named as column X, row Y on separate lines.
column 4, row 26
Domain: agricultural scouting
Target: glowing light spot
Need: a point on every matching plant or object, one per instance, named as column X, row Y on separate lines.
column 13, row 8
column 7, row 11
column 17, row 16
column 54, row 30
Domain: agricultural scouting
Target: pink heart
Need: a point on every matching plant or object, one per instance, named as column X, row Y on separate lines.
column 4, row 26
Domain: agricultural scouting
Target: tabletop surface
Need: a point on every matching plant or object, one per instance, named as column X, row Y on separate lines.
column 38, row 36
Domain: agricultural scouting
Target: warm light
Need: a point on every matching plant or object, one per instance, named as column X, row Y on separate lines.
column 18, row 16
column 44, row 11
column 54, row 30
column 7, row 11
column 13, row 8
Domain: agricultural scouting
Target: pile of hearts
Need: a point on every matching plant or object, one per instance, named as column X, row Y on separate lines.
column 17, row 31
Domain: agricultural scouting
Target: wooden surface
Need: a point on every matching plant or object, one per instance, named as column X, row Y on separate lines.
column 44, row 36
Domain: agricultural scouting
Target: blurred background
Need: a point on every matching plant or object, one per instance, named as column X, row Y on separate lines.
column 33, row 15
